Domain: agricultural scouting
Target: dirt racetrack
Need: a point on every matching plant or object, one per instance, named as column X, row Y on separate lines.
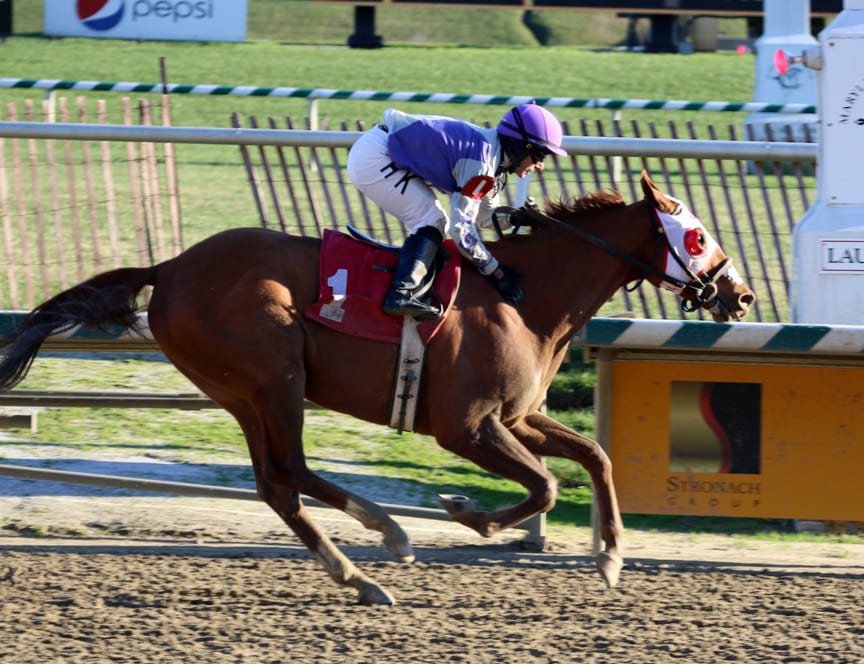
column 132, row 579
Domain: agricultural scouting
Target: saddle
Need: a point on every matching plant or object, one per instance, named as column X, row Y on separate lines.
column 353, row 277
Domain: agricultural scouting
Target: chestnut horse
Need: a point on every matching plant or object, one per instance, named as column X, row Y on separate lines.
column 228, row 312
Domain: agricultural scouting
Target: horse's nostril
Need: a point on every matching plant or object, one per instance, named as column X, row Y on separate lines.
column 746, row 300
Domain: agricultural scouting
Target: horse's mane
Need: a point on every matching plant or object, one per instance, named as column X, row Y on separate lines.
column 569, row 210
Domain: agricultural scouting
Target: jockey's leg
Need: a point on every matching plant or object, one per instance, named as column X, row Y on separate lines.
column 415, row 260
column 407, row 197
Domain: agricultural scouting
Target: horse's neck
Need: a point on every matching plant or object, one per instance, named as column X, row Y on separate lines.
column 573, row 279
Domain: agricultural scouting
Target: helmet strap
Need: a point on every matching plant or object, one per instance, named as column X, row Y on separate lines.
column 500, row 179
column 514, row 150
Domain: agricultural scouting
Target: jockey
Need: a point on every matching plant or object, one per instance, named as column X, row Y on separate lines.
column 398, row 163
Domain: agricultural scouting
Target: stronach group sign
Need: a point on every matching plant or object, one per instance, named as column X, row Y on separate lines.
column 750, row 420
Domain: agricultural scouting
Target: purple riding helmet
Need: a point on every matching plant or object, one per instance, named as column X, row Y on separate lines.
column 529, row 129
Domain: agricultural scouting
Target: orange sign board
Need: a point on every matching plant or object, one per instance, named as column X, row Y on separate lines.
column 738, row 439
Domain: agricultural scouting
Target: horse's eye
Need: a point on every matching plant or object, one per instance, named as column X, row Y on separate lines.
column 694, row 241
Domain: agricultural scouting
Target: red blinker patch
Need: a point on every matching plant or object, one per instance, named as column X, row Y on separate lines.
column 694, row 242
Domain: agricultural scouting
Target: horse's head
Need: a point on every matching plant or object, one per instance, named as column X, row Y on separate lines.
column 694, row 265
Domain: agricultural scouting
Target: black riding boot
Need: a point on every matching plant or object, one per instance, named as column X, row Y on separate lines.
column 415, row 259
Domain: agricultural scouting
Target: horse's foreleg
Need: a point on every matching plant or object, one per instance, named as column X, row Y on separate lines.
column 544, row 436
column 494, row 449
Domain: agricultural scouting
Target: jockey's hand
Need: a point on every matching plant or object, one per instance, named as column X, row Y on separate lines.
column 503, row 215
column 506, row 282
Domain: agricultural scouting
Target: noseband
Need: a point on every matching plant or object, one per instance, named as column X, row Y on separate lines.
column 702, row 289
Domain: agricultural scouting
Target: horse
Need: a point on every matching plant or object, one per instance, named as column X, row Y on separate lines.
column 228, row 313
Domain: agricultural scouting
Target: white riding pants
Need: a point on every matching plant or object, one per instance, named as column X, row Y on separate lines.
column 400, row 193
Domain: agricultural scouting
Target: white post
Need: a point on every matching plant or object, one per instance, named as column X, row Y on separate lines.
column 312, row 109
column 787, row 27
column 828, row 242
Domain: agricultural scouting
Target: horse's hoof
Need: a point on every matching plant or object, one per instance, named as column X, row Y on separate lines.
column 461, row 509
column 400, row 548
column 371, row 594
column 609, row 566
column 454, row 504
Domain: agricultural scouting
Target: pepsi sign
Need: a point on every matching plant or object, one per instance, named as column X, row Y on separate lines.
column 181, row 20
column 100, row 15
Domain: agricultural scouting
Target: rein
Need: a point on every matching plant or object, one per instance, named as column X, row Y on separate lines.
column 703, row 289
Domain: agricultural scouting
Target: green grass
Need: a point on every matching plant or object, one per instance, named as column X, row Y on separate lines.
column 277, row 55
column 316, row 23
column 548, row 72
column 212, row 436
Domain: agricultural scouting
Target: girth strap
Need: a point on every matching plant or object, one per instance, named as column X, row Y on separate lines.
column 406, row 386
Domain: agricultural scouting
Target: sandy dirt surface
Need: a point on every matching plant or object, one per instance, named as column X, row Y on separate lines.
column 95, row 575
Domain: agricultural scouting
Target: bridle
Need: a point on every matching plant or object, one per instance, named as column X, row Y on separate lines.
column 700, row 291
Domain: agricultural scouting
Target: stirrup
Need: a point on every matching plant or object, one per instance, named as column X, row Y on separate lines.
column 410, row 306
column 433, row 314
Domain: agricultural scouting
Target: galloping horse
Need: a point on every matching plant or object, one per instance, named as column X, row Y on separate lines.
column 228, row 312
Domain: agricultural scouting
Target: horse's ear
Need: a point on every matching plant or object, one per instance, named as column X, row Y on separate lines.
column 657, row 198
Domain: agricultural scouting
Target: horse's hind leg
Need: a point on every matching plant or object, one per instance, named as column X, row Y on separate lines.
column 273, row 427
column 285, row 500
column 288, row 505
column 337, row 565
column 285, row 464
column 545, row 437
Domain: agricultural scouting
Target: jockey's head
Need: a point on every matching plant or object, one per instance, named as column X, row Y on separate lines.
column 529, row 130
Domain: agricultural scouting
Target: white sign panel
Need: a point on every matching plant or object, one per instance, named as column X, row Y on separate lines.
column 842, row 107
column 179, row 20
column 842, row 255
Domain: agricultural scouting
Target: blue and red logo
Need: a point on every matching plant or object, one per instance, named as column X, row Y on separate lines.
column 100, row 14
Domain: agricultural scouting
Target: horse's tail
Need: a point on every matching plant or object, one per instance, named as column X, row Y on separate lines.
column 108, row 299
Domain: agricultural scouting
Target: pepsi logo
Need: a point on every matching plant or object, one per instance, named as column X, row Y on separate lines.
column 100, row 14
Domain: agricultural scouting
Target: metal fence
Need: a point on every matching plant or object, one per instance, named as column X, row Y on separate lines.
column 70, row 208
column 749, row 193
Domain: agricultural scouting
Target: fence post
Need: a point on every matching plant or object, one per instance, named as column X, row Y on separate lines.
column 535, row 540
column 312, row 110
column 50, row 106
column 602, row 424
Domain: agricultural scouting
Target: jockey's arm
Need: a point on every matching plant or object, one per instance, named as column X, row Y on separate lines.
column 484, row 212
column 462, row 228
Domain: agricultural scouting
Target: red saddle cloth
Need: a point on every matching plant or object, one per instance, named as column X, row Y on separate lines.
column 353, row 278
